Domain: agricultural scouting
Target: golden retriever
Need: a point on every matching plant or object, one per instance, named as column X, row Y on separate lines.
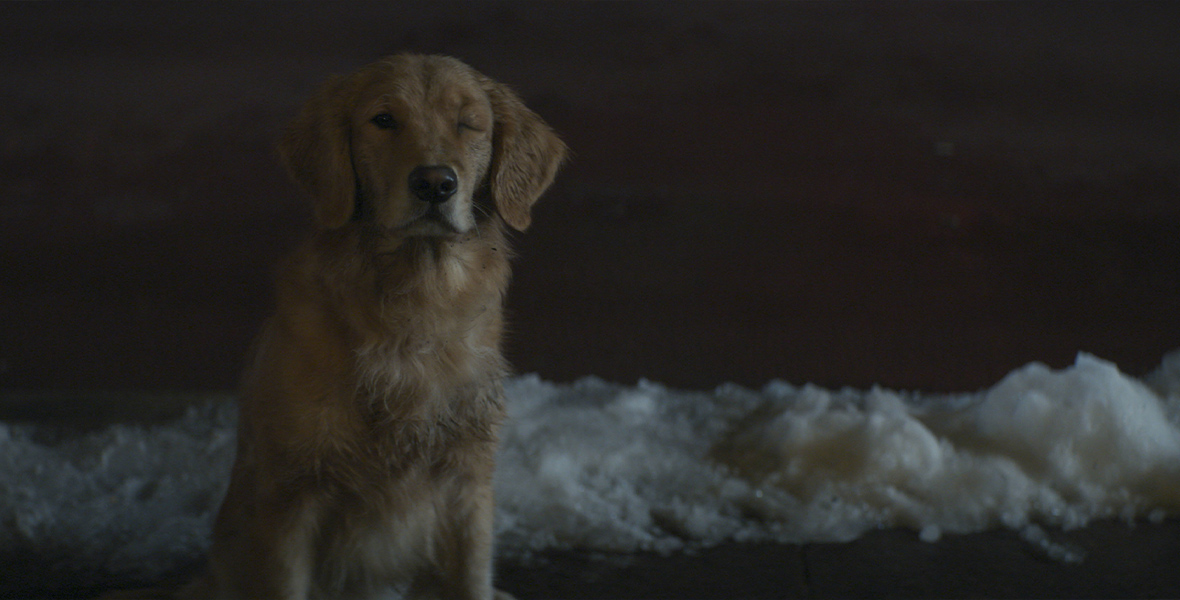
column 369, row 416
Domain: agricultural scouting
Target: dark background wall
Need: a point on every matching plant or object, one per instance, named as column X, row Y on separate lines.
column 920, row 195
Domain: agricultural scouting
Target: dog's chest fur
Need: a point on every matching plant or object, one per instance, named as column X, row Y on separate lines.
column 438, row 331
column 405, row 343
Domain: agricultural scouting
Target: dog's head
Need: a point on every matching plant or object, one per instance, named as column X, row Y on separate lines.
column 414, row 143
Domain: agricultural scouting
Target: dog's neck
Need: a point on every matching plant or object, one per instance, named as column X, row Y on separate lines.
column 439, row 270
column 409, row 311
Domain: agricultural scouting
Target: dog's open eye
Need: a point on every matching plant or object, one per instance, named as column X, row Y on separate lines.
column 384, row 121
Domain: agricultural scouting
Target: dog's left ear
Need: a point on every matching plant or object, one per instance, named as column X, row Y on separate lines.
column 525, row 155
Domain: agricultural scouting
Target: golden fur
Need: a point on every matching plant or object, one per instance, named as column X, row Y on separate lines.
column 369, row 416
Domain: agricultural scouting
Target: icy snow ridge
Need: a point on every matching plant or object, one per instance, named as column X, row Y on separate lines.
column 602, row 467
column 613, row 468
column 125, row 501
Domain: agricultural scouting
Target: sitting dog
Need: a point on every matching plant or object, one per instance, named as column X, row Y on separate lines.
column 369, row 415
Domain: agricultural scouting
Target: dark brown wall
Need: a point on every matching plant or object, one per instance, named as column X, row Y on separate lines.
column 922, row 195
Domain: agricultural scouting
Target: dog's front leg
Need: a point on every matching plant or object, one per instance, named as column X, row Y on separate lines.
column 264, row 550
column 462, row 568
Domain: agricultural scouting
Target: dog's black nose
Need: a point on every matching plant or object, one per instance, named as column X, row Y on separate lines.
column 433, row 184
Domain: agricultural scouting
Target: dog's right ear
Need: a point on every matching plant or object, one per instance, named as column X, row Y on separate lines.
column 316, row 151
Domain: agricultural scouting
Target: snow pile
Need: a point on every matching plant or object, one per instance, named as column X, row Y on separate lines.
column 126, row 501
column 602, row 467
column 612, row 468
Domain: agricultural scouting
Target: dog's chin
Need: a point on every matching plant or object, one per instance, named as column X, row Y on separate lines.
column 433, row 226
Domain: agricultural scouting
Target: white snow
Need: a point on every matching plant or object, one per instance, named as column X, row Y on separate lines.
column 601, row 467
column 614, row 468
column 126, row 501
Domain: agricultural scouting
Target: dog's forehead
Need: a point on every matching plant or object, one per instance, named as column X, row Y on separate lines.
column 425, row 80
